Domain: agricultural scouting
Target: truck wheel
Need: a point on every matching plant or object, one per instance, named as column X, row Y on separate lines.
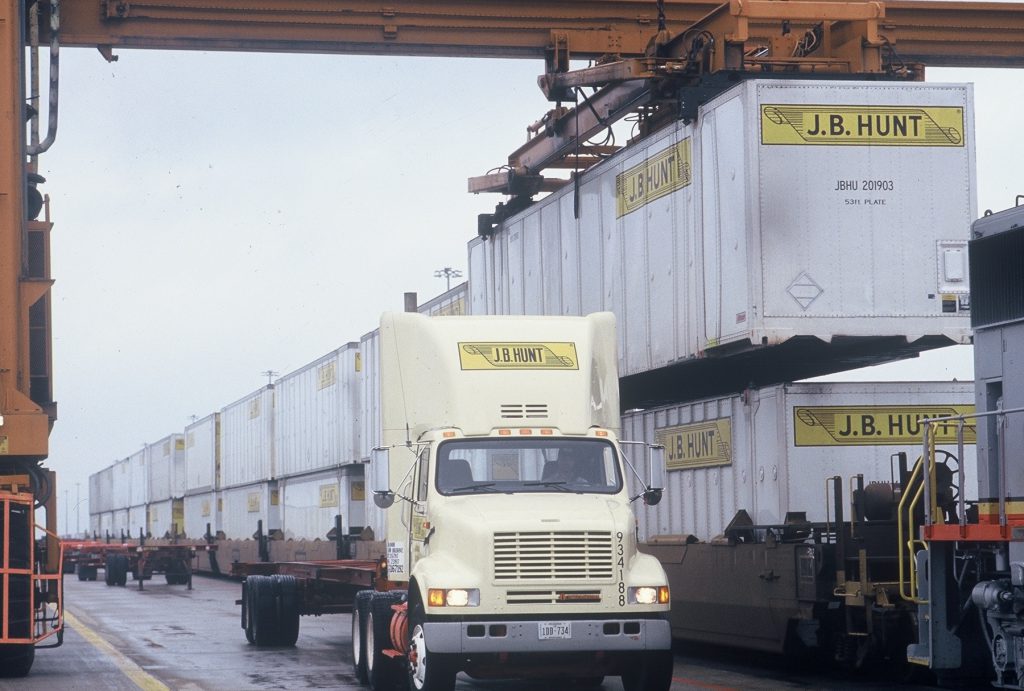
column 247, row 611
column 652, row 673
column 16, row 660
column 380, row 669
column 427, row 671
column 286, row 589
column 359, row 611
column 81, row 573
column 176, row 574
column 108, row 571
column 90, row 572
column 122, row 569
column 263, row 611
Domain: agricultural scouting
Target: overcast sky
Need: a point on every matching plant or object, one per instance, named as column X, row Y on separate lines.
column 220, row 215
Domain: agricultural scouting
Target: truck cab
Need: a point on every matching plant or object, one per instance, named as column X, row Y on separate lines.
column 511, row 540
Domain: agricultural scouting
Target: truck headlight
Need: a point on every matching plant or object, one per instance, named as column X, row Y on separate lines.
column 648, row 595
column 453, row 597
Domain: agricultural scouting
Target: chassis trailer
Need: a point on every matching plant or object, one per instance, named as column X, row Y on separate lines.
column 142, row 561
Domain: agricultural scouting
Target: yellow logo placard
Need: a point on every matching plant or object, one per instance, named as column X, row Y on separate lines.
column 697, row 445
column 328, row 496
column 491, row 356
column 253, row 502
column 876, row 425
column 326, row 375
column 205, row 507
column 656, row 177
column 862, row 125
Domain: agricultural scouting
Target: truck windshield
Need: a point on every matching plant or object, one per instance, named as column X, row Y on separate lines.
column 466, row 466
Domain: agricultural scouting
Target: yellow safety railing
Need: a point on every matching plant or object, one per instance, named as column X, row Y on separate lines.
column 907, row 533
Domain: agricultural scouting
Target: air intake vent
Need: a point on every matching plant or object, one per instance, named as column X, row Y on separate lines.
column 555, row 556
column 997, row 278
column 524, row 411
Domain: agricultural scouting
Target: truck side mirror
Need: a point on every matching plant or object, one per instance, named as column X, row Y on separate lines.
column 380, row 479
column 656, row 487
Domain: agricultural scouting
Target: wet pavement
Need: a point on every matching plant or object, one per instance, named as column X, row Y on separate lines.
column 120, row 639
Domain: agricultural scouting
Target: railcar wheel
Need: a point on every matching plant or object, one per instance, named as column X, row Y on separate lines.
column 360, row 608
column 427, row 671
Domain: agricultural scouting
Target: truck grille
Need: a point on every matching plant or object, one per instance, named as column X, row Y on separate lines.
column 524, row 411
column 558, row 556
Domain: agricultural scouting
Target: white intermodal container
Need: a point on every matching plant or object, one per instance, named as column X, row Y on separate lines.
column 138, row 474
column 201, row 510
column 242, row 507
column 106, row 524
column 138, row 520
column 101, row 491
column 793, row 229
column 167, row 468
column 247, row 439
column 309, row 503
column 202, row 454
column 121, row 485
column 769, row 451
column 119, row 523
column 318, row 415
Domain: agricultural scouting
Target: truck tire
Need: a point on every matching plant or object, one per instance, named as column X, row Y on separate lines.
column 16, row 660
column 652, row 672
column 122, row 569
column 286, row 590
column 81, row 573
column 427, row 671
column 360, row 608
column 381, row 670
column 108, row 570
column 247, row 611
column 88, row 573
column 263, row 610
column 176, row 574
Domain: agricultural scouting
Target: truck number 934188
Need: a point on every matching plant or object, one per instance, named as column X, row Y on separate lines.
column 620, row 567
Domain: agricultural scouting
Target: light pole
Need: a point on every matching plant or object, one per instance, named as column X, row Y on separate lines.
column 448, row 273
column 78, row 512
column 67, row 511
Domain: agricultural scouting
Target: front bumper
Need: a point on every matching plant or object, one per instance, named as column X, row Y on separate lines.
column 521, row 636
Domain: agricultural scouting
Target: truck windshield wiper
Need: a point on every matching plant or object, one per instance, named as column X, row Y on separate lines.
column 557, row 484
column 475, row 487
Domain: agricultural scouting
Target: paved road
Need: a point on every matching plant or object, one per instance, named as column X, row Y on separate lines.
column 120, row 639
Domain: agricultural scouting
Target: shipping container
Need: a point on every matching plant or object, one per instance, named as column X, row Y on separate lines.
column 769, row 451
column 318, row 416
column 247, row 439
column 242, row 507
column 138, row 521
column 201, row 510
column 202, row 455
column 101, row 491
column 167, row 468
column 138, row 473
column 451, row 303
column 119, row 523
column 165, row 519
column 95, row 524
column 106, row 524
column 121, row 485
column 309, row 503
column 759, row 244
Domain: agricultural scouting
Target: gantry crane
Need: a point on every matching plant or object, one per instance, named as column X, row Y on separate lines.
column 657, row 58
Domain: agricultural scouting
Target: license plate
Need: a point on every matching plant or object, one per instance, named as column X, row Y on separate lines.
column 554, row 629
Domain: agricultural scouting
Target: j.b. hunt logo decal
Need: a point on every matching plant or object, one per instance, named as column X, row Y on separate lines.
column 656, row 177
column 489, row 356
column 873, row 425
column 862, row 125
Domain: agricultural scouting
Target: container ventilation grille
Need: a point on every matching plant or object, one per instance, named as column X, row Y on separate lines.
column 524, row 411
column 553, row 556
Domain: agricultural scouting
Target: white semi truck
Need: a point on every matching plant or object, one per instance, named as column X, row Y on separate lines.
column 511, row 540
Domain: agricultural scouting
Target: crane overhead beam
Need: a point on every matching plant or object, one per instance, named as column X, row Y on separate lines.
column 937, row 33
